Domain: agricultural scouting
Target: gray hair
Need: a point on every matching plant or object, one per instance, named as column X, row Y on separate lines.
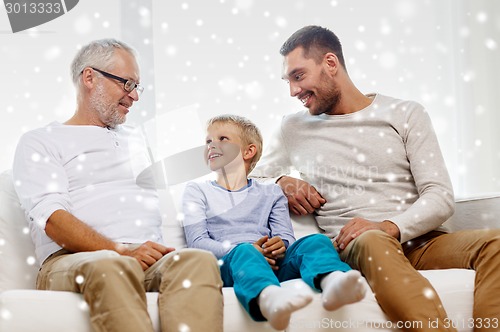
column 249, row 133
column 97, row 53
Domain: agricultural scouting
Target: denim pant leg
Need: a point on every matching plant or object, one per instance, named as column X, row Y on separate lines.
column 310, row 257
column 246, row 269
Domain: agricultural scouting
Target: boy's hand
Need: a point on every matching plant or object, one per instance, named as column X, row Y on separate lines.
column 259, row 244
column 274, row 248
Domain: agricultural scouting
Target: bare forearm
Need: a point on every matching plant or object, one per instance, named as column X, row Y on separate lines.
column 74, row 235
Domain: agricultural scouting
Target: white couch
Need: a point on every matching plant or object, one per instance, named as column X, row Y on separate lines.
column 24, row 309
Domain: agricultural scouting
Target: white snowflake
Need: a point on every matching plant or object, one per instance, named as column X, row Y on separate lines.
column 79, row 279
column 429, row 293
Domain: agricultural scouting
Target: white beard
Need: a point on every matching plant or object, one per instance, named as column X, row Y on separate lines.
column 107, row 113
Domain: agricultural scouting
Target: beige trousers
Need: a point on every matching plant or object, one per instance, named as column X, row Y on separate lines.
column 114, row 286
column 405, row 296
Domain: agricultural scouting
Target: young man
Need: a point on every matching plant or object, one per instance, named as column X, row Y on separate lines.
column 373, row 174
column 247, row 226
column 96, row 232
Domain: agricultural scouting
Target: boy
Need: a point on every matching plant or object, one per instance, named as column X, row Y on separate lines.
column 247, row 226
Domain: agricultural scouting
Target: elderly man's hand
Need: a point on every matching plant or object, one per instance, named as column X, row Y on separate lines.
column 147, row 253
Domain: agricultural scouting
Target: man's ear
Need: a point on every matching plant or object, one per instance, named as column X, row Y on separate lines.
column 331, row 62
column 88, row 78
column 249, row 152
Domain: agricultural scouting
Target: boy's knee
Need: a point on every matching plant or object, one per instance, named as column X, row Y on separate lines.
column 245, row 247
column 315, row 240
column 244, row 252
column 321, row 238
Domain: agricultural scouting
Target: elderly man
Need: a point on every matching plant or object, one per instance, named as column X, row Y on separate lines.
column 96, row 232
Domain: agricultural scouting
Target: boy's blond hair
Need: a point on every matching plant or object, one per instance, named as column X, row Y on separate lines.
column 249, row 133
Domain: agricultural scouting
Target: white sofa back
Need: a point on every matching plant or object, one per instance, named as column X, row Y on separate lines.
column 17, row 252
column 18, row 266
column 17, row 258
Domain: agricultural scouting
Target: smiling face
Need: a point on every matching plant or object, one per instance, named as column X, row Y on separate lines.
column 312, row 83
column 108, row 99
column 224, row 146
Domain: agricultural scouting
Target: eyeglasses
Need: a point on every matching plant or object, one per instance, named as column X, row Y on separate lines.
column 128, row 85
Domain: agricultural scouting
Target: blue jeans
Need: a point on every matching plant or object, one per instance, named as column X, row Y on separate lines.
column 246, row 269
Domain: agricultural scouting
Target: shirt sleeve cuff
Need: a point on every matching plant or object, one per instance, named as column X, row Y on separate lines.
column 41, row 215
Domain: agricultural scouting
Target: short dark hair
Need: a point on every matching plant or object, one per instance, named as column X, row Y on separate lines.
column 316, row 42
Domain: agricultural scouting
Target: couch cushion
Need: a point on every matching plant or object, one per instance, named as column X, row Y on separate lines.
column 17, row 253
column 454, row 286
column 28, row 310
column 40, row 311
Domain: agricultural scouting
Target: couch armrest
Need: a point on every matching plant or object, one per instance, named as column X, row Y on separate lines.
column 476, row 213
column 470, row 213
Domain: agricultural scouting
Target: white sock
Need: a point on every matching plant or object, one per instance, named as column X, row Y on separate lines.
column 341, row 288
column 277, row 304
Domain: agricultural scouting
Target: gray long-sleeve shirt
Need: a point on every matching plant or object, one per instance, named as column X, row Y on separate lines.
column 216, row 219
column 380, row 163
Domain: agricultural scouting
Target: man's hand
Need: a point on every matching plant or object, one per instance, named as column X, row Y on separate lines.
column 357, row 226
column 259, row 244
column 302, row 197
column 147, row 253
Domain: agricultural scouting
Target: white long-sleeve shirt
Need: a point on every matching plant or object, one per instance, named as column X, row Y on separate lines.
column 90, row 172
column 380, row 163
